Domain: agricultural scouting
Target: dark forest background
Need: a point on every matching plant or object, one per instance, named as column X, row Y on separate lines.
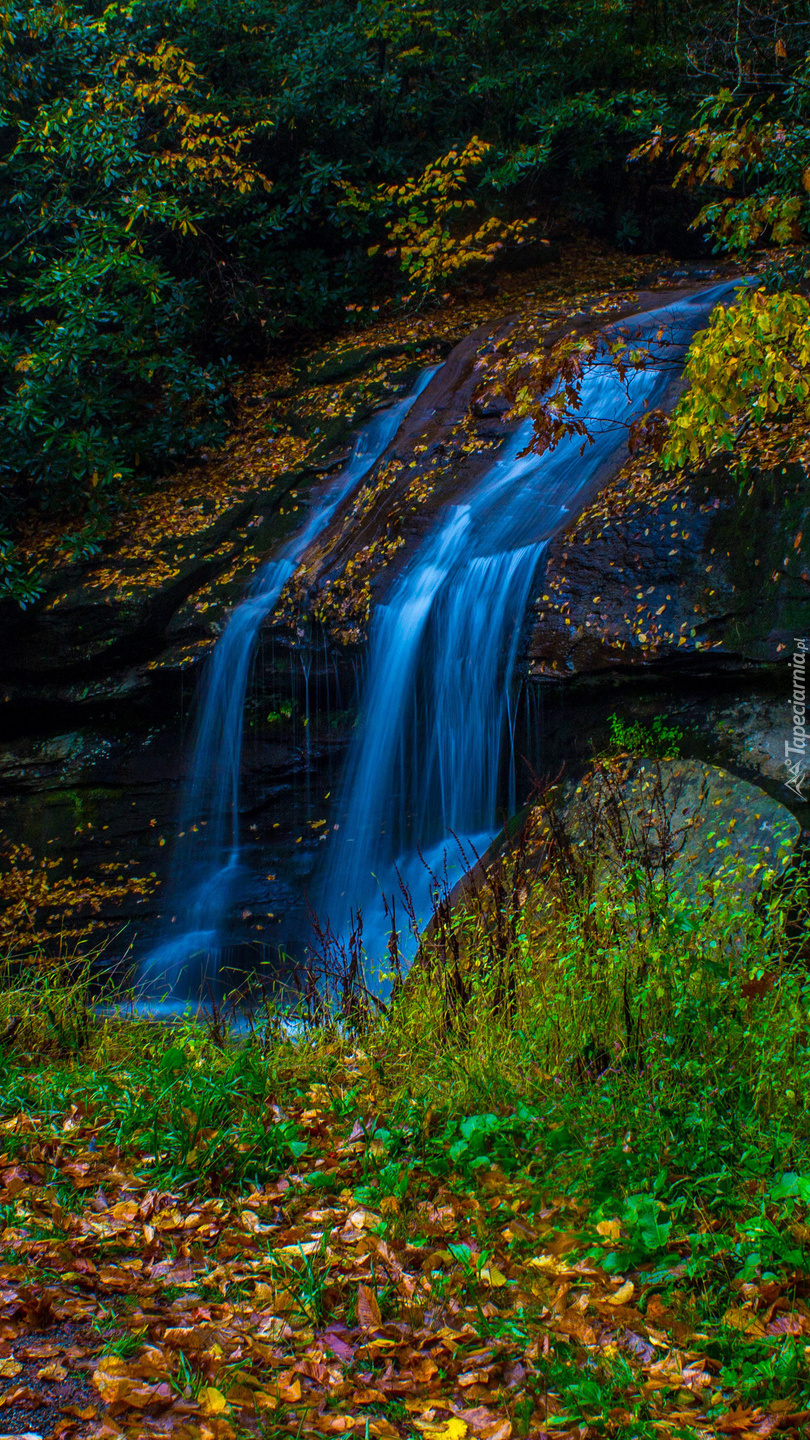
column 185, row 185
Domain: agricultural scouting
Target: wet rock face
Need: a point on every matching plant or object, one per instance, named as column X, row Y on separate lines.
column 100, row 807
column 440, row 450
column 124, row 624
column 757, row 733
column 660, row 573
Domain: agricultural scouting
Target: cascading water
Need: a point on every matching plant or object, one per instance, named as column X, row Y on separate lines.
column 430, row 760
column 208, row 866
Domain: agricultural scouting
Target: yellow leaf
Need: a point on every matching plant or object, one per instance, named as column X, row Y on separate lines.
column 368, row 1310
column 623, row 1294
column 124, row 1210
column 609, row 1229
column 490, row 1275
column 53, row 1371
column 742, row 1318
column 455, row 1429
column 212, row 1401
column 109, row 1376
column 544, row 1262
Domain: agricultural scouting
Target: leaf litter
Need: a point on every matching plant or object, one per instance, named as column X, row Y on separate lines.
column 458, row 1300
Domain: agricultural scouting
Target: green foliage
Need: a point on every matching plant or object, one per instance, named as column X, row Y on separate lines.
column 658, row 739
column 179, row 184
column 591, row 1394
column 489, row 1139
column 748, row 380
column 748, row 373
column 21, row 583
column 202, row 1127
column 127, row 1345
column 281, row 715
column 761, row 153
column 656, row 1012
column 110, row 162
column 424, row 233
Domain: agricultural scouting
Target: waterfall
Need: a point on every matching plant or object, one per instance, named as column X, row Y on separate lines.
column 432, row 759
column 207, row 866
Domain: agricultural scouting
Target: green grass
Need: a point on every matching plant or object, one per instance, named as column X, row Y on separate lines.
column 606, row 1026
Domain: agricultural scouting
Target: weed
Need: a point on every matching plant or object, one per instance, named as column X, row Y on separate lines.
column 661, row 740
column 305, row 1280
column 188, row 1380
column 127, row 1345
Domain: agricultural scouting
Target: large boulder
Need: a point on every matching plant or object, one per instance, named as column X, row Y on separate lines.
column 679, row 820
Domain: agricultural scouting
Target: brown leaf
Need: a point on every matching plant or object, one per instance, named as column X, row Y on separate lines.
column 638, row 1346
column 124, row 1210
column 285, row 1391
column 786, row 1325
column 484, row 1422
column 185, row 1337
column 118, row 1388
column 368, row 1309
column 382, row 1428
column 741, row 1317
column 21, row 1395
column 737, row 1421
column 53, row 1372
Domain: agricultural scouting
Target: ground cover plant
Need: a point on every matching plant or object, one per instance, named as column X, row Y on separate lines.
column 558, row 1184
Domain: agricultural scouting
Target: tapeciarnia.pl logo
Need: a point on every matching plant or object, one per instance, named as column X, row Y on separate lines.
column 796, row 749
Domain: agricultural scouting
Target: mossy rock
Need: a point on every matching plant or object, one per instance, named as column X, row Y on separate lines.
column 683, row 819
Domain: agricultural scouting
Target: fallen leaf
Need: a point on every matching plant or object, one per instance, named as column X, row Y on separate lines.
column 368, row 1309
column 454, row 1429
column 212, row 1401
column 52, row 1372
column 491, row 1275
column 624, row 1293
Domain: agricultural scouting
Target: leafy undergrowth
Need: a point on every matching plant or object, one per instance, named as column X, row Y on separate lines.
column 265, row 1240
column 559, row 1185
